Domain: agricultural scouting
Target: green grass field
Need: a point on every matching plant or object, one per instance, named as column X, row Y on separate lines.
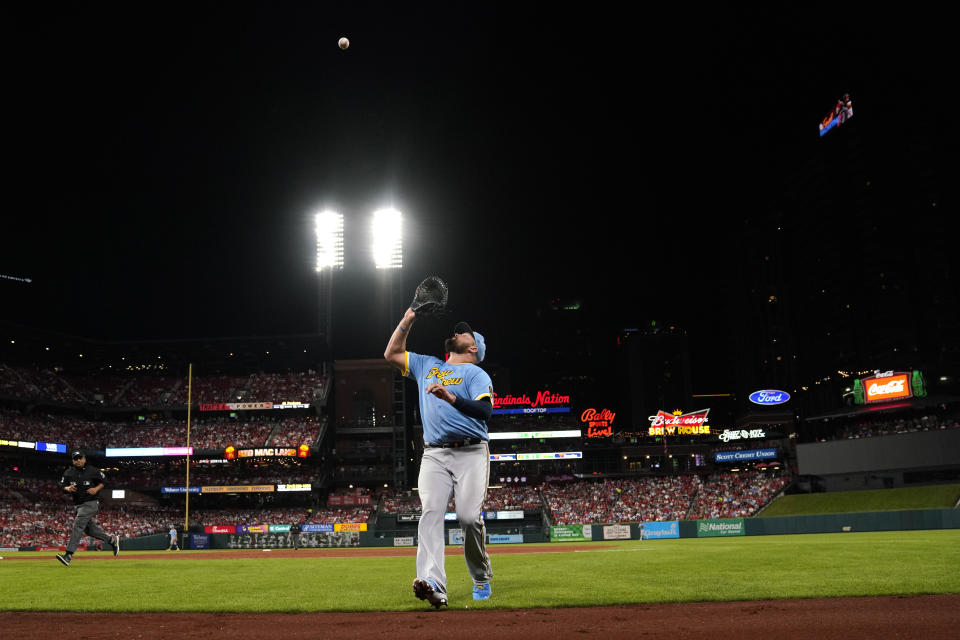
column 933, row 497
column 629, row 572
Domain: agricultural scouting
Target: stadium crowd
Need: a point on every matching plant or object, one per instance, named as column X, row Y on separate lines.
column 572, row 501
column 735, row 495
column 865, row 428
column 35, row 512
column 150, row 389
column 205, row 433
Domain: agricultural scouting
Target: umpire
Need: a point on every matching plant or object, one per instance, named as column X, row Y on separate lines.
column 84, row 484
column 295, row 529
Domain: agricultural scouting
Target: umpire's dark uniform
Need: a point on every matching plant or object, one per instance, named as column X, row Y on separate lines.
column 295, row 535
column 87, row 505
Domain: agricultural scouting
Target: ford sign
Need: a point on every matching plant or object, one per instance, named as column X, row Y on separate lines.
column 769, row 397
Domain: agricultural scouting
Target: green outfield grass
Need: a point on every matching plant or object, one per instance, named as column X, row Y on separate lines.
column 933, row 497
column 629, row 572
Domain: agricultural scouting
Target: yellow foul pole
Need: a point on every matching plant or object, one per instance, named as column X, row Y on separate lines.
column 186, row 515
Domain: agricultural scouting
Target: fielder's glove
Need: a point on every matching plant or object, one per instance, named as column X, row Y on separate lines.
column 430, row 298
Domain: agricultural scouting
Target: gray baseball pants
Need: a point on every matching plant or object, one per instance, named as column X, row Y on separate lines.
column 86, row 525
column 462, row 473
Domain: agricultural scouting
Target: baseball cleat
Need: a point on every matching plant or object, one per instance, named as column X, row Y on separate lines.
column 115, row 543
column 427, row 590
column 481, row 591
column 64, row 559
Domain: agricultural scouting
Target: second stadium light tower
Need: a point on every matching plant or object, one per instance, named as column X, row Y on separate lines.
column 388, row 260
column 328, row 226
column 387, row 239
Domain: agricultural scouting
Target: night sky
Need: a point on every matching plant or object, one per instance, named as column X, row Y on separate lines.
column 165, row 161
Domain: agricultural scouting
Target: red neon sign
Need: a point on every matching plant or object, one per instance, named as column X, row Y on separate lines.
column 542, row 398
column 599, row 423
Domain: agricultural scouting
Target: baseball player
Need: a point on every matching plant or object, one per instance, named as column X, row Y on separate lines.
column 174, row 546
column 84, row 484
column 456, row 399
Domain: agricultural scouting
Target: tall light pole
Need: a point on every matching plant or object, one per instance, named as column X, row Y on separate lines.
column 388, row 260
column 329, row 231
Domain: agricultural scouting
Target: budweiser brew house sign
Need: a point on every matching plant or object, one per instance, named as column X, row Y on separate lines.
column 679, row 423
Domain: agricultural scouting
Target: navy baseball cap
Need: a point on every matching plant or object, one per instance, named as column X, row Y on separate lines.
column 76, row 454
column 463, row 327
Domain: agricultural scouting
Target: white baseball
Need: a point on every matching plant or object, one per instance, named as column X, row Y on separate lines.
column 343, row 43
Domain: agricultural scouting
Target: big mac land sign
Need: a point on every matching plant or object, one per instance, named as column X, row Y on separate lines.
column 679, row 423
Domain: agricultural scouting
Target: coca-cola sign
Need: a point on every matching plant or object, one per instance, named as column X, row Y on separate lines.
column 599, row 423
column 679, row 423
column 769, row 397
column 887, row 387
column 541, row 398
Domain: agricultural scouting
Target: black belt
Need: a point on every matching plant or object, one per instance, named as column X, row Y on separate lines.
column 453, row 445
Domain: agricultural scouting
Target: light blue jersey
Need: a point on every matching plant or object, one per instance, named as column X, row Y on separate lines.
column 441, row 421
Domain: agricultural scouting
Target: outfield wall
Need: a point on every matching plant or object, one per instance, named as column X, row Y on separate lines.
column 905, row 520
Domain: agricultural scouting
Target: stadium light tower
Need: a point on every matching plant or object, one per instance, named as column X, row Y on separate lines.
column 388, row 259
column 329, row 229
column 328, row 226
column 388, row 239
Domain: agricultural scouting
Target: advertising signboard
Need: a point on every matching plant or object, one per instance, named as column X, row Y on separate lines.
column 179, row 490
column 129, row 452
column 657, row 530
column 199, row 541
column 238, row 488
column 542, row 398
column 616, row 532
column 693, row 423
column 769, row 397
column 742, row 434
column 571, row 533
column 599, row 423
column 722, row 527
column 886, row 387
column 743, row 456
column 220, row 528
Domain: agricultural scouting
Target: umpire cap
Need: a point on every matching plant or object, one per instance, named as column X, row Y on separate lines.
column 76, row 454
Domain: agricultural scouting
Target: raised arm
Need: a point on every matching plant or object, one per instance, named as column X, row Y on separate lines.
column 395, row 352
